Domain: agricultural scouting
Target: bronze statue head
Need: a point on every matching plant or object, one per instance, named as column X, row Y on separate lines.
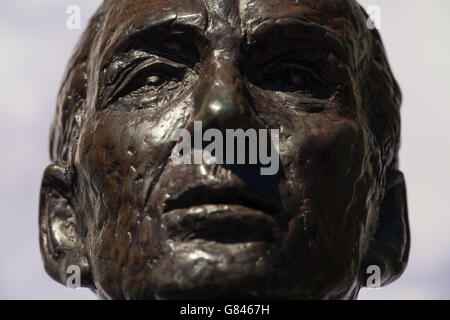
column 140, row 226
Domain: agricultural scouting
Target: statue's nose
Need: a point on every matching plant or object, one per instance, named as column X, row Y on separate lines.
column 222, row 99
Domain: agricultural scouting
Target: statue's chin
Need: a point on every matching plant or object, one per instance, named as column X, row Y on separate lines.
column 202, row 269
column 198, row 273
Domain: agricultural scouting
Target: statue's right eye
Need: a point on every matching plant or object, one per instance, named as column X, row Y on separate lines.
column 149, row 75
column 150, row 82
column 150, row 78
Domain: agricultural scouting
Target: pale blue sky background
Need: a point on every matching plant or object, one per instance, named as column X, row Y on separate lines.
column 36, row 45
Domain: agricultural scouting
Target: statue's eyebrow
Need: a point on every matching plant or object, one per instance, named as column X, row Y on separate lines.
column 294, row 29
column 169, row 23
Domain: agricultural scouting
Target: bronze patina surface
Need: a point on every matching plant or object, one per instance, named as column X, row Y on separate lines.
column 141, row 227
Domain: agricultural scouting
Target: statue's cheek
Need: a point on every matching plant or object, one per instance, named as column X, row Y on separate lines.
column 333, row 151
column 122, row 153
column 343, row 150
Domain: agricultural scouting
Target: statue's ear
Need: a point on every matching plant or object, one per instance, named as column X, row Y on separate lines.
column 62, row 250
column 392, row 239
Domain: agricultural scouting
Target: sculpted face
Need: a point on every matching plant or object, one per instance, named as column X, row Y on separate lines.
column 141, row 226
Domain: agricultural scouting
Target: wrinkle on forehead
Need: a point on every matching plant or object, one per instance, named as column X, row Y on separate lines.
column 328, row 13
column 225, row 9
column 336, row 15
column 133, row 14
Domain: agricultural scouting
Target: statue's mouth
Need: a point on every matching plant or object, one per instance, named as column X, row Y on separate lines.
column 230, row 195
column 222, row 224
column 222, row 215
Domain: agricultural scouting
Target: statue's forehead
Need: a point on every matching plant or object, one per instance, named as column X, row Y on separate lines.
column 140, row 11
column 322, row 12
column 134, row 13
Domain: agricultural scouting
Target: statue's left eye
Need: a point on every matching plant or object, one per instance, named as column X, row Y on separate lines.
column 293, row 77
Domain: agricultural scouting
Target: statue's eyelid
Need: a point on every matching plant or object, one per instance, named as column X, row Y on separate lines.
column 132, row 70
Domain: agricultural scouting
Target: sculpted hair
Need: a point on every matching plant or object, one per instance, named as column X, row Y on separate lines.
column 72, row 97
column 381, row 95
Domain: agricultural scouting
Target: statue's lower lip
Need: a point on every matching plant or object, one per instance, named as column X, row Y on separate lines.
column 225, row 223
